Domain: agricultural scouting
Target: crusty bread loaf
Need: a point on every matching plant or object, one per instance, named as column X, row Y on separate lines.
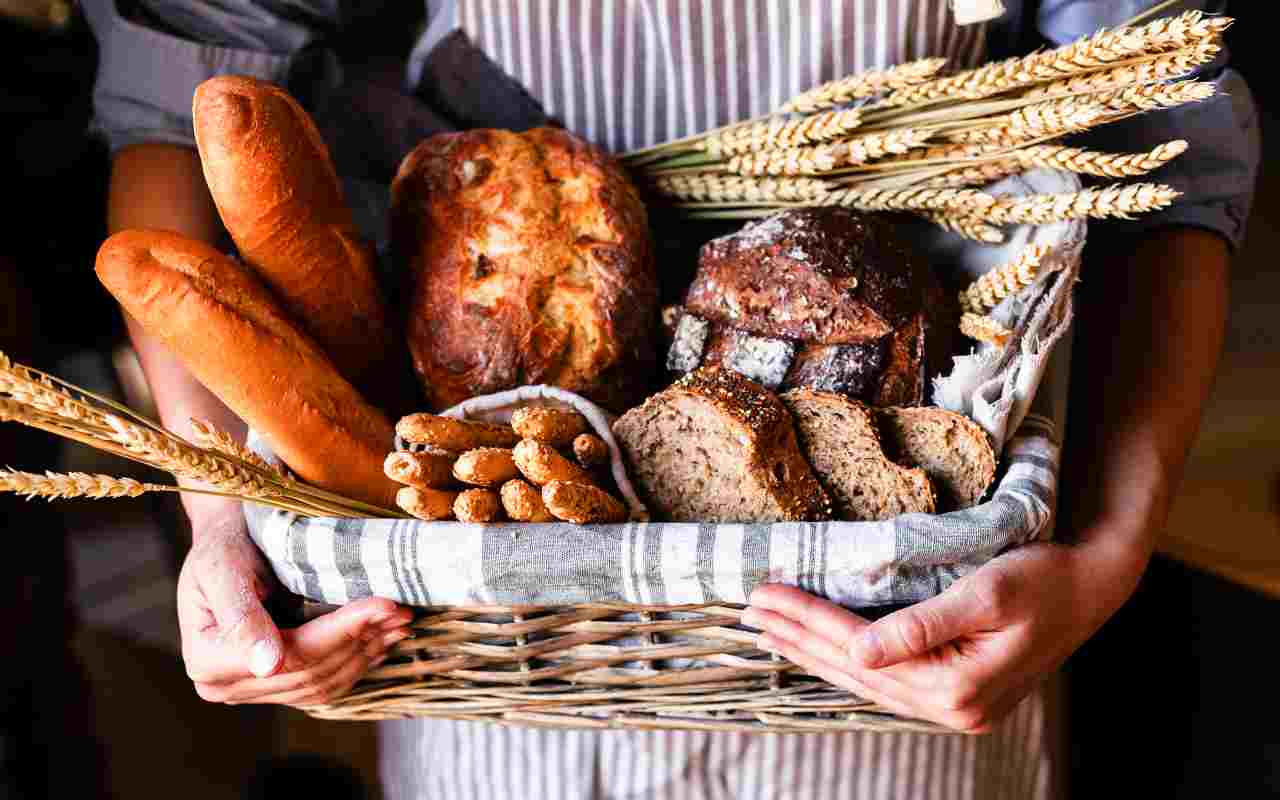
column 822, row 298
column 225, row 327
column 277, row 192
column 532, row 264
column 951, row 448
column 716, row 447
column 839, row 438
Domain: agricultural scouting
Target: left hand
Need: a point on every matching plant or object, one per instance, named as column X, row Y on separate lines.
column 965, row 658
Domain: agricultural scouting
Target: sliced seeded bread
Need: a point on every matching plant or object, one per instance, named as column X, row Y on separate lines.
column 716, row 447
column 951, row 448
column 839, row 438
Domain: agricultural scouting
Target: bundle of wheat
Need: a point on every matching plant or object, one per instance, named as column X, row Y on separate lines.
column 215, row 464
column 909, row 138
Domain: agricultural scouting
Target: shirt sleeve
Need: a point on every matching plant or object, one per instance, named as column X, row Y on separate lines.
column 1217, row 173
column 150, row 62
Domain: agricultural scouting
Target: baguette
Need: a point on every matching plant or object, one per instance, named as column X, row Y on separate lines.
column 281, row 200
column 454, row 435
column 225, row 327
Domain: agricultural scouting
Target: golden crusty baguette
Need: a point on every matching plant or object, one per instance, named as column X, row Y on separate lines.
column 426, row 504
column 541, row 464
column 485, row 466
column 280, row 198
column 590, row 450
column 453, row 435
column 422, row 470
column 523, row 503
column 552, row 426
column 582, row 504
column 218, row 320
column 477, row 505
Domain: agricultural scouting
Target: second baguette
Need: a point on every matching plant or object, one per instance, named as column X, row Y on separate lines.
column 226, row 328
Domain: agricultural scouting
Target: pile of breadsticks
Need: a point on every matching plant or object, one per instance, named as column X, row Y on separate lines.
column 545, row 466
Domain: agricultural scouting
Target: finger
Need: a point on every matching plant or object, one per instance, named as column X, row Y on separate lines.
column 248, row 689
column 920, row 628
column 822, row 617
column 331, row 687
column 334, row 630
column 833, row 674
column 238, row 638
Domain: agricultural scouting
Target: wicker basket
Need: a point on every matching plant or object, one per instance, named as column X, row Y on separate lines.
column 542, row 654
column 603, row 666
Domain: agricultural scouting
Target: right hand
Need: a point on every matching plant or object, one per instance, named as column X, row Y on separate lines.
column 234, row 652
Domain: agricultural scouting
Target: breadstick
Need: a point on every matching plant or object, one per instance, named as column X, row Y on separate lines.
column 551, row 426
column 541, row 464
column 477, row 505
column 453, row 435
column 582, row 504
column 485, row 466
column 590, row 450
column 428, row 504
column 420, row 470
column 523, row 503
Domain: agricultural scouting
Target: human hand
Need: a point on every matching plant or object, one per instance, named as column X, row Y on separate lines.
column 965, row 658
column 234, row 652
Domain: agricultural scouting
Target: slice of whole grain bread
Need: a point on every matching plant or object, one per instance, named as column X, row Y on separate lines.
column 717, row 447
column 950, row 447
column 839, row 438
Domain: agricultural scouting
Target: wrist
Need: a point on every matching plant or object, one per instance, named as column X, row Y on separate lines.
column 214, row 517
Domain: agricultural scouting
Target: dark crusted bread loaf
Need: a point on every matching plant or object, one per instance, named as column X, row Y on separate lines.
column 716, row 447
column 951, row 448
column 839, row 437
column 824, row 298
column 532, row 264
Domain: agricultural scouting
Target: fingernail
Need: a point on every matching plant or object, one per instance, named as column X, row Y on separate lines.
column 865, row 649
column 377, row 662
column 263, row 658
column 751, row 618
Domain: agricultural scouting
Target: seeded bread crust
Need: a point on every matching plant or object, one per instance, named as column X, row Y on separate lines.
column 751, row 427
column 840, row 440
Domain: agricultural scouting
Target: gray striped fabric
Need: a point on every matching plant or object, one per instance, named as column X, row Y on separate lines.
column 853, row 563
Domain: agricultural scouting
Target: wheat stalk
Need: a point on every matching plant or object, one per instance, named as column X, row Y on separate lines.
column 977, row 175
column 1162, row 67
column 36, row 390
column 966, row 227
column 210, row 437
column 781, row 133
column 719, row 187
column 984, row 329
column 827, row 157
column 1116, row 201
column 907, row 199
column 55, row 486
column 987, row 291
column 1155, row 96
column 1051, row 118
column 853, row 87
column 1093, row 162
column 1086, row 55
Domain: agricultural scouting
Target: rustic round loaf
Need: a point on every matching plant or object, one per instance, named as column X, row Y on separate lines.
column 531, row 262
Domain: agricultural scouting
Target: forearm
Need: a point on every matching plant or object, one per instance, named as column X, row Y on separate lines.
column 1150, row 324
column 162, row 186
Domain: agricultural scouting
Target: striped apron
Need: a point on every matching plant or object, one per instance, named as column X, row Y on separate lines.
column 627, row 74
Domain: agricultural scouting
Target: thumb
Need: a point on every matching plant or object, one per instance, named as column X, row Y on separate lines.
column 917, row 629
column 247, row 641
